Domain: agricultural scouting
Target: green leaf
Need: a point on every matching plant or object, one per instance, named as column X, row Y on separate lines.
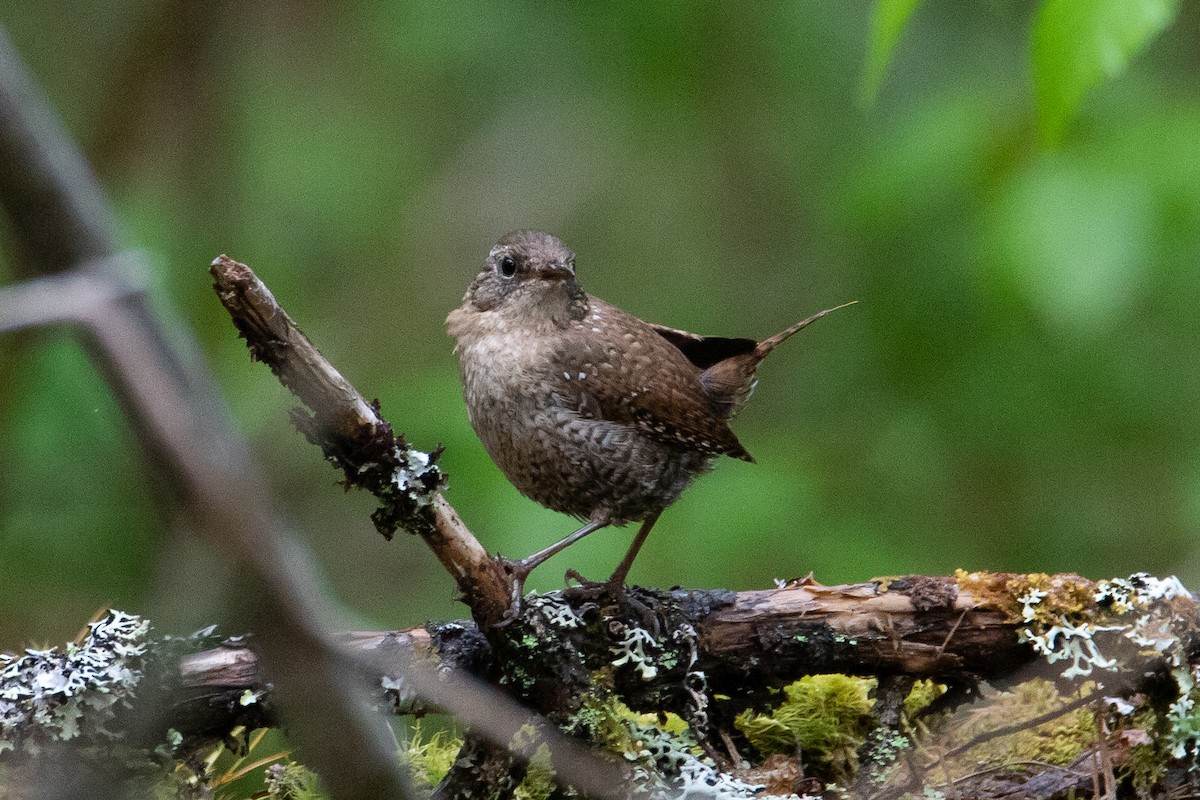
column 1076, row 239
column 1077, row 44
column 887, row 24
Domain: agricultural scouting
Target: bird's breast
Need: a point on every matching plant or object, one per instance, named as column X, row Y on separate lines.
column 549, row 405
column 497, row 357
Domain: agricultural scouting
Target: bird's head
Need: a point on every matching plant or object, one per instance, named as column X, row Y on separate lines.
column 528, row 273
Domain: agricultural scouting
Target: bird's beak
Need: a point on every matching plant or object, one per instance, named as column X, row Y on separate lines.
column 556, row 271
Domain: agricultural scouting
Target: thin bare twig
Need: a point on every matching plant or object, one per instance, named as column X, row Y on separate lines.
column 996, row 733
column 1008, row 765
column 69, row 297
column 942, row 647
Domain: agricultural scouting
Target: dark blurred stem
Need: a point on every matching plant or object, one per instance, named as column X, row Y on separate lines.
column 62, row 222
column 56, row 207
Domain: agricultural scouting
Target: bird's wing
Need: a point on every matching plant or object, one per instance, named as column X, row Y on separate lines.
column 703, row 351
column 727, row 366
column 626, row 372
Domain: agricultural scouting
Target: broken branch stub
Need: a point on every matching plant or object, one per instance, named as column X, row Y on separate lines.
column 355, row 437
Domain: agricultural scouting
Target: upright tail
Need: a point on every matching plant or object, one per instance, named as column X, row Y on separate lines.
column 730, row 382
column 767, row 345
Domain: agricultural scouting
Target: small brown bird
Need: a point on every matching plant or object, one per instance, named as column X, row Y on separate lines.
column 587, row 409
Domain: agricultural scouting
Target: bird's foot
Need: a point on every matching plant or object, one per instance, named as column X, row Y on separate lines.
column 592, row 590
column 518, row 570
column 614, row 591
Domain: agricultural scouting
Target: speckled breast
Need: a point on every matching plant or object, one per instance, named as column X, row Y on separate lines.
column 562, row 458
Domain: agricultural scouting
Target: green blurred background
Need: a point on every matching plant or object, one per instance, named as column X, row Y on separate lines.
column 1015, row 391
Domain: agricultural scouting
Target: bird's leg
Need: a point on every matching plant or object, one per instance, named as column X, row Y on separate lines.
column 520, row 568
column 617, row 580
column 614, row 585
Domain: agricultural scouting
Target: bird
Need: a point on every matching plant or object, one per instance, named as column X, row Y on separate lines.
column 585, row 408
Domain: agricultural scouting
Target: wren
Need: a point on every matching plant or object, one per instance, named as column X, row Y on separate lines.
column 587, row 409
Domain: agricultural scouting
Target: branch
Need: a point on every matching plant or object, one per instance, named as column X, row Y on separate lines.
column 707, row 639
column 355, row 437
column 747, row 641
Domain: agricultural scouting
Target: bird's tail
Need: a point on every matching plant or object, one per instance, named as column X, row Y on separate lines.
column 767, row 345
column 730, row 382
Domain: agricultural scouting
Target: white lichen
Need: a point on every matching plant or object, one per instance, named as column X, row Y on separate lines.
column 631, row 649
column 1183, row 732
column 690, row 776
column 1138, row 590
column 399, row 697
column 170, row 747
column 1029, row 602
column 694, row 681
column 59, row 695
column 1139, row 609
column 1141, row 598
column 672, row 767
column 1155, row 630
column 1067, row 640
column 698, row 778
column 555, row 610
column 411, row 477
column 1120, row 706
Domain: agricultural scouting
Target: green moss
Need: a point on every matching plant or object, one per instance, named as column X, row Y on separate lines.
column 539, row 777
column 429, row 758
column 669, row 722
column 922, row 694
column 826, row 716
column 768, row 734
column 1058, row 741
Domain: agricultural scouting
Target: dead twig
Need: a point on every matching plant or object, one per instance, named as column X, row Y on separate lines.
column 355, row 437
column 1007, row 730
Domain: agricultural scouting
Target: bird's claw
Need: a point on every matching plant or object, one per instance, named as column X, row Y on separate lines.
column 592, row 590
column 614, row 591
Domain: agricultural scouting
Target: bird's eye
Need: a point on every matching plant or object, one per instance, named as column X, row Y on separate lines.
column 508, row 266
